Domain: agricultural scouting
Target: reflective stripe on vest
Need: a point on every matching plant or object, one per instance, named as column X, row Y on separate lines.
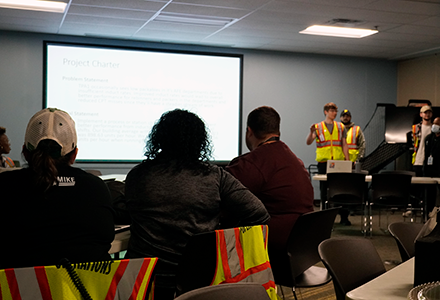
column 329, row 146
column 416, row 143
column 242, row 257
column 352, row 136
column 9, row 162
column 119, row 279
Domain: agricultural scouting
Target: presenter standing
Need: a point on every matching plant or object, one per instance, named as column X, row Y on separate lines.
column 355, row 137
column 419, row 132
column 331, row 144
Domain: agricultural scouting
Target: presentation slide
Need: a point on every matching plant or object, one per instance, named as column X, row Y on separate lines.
column 116, row 95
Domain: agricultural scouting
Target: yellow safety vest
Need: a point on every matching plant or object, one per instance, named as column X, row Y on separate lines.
column 9, row 163
column 118, row 279
column 352, row 136
column 329, row 146
column 242, row 257
column 416, row 142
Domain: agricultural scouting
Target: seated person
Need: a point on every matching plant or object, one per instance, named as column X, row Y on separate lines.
column 273, row 173
column 175, row 193
column 5, row 148
column 52, row 210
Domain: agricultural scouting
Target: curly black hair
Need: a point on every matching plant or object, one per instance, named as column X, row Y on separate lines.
column 181, row 136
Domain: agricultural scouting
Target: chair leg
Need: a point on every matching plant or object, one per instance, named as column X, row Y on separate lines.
column 370, row 216
column 364, row 225
column 380, row 226
column 282, row 292
column 294, row 293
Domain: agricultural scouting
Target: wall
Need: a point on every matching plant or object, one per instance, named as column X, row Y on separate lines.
column 297, row 85
column 418, row 78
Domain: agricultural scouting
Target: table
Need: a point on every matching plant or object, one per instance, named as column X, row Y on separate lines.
column 392, row 285
column 414, row 180
column 118, row 177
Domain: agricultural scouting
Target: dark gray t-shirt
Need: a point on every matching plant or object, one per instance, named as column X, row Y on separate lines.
column 168, row 207
column 330, row 129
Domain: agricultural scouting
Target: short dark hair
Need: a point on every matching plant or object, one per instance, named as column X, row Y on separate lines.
column 2, row 130
column 264, row 120
column 329, row 106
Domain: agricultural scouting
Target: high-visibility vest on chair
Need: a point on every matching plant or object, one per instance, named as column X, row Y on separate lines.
column 242, row 257
column 118, row 279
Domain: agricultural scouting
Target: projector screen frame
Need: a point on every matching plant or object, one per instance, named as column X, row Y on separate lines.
column 48, row 43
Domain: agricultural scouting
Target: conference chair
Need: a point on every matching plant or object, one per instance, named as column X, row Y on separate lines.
column 351, row 263
column 197, row 265
column 230, row 291
column 405, row 234
column 391, row 192
column 348, row 189
column 313, row 170
column 302, row 249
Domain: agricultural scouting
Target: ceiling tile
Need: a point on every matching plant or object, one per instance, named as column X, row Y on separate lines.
column 405, row 27
column 110, row 12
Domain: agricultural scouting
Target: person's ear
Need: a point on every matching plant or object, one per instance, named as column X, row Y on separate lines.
column 73, row 156
column 25, row 152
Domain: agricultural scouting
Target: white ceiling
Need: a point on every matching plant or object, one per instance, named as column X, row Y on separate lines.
column 407, row 28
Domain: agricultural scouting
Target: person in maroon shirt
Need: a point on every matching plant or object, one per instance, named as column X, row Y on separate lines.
column 273, row 173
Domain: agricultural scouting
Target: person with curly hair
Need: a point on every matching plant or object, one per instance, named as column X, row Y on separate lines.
column 5, row 148
column 176, row 193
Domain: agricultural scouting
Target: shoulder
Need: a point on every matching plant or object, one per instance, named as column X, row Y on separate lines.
column 429, row 137
column 135, row 170
column 238, row 160
column 14, row 174
column 80, row 176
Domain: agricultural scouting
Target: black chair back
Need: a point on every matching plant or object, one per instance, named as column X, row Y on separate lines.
column 231, row 291
column 308, row 232
column 351, row 262
column 391, row 188
column 197, row 265
column 405, row 234
column 347, row 188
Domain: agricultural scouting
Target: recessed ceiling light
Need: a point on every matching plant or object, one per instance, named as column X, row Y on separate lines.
column 192, row 19
column 50, row 6
column 338, row 31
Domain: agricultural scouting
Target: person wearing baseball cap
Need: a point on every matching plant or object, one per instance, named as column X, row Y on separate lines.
column 355, row 137
column 52, row 210
column 419, row 133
